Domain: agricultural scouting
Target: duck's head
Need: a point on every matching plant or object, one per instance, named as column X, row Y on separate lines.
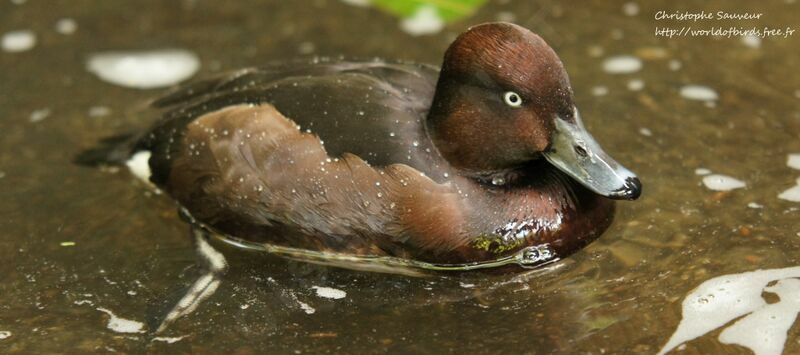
column 503, row 99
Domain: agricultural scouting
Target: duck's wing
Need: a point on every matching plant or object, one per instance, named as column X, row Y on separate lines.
column 372, row 109
column 267, row 181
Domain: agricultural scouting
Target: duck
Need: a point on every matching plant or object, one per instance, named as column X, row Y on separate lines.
column 467, row 163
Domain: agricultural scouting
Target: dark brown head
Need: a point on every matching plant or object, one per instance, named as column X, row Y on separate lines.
column 503, row 99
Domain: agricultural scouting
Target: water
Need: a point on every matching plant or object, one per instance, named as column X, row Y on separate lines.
column 78, row 243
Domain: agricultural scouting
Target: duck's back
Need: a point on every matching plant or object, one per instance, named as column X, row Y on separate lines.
column 323, row 156
column 374, row 110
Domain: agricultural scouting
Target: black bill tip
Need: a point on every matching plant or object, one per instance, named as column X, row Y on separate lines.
column 633, row 188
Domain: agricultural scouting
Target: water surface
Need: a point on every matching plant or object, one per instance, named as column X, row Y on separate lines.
column 76, row 239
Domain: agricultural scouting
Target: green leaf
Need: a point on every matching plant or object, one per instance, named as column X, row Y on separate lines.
column 449, row 10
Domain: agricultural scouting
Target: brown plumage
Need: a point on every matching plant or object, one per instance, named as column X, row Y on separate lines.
column 378, row 158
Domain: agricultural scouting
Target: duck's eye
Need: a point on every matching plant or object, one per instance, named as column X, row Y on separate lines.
column 512, row 99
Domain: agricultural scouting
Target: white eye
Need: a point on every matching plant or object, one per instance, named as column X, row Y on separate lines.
column 512, row 99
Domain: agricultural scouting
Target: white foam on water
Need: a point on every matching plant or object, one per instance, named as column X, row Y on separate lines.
column 122, row 325
column 699, row 93
column 622, row 64
column 793, row 161
column 636, row 85
column 755, row 205
column 751, row 41
column 595, row 51
column 645, row 132
column 630, row 8
column 764, row 330
column 39, row 115
column 360, row 3
column 216, row 261
column 424, row 21
column 66, row 26
column 792, row 194
column 718, row 182
column 144, row 70
column 18, row 41
column 139, row 165
column 505, row 16
column 306, row 308
column 675, row 65
column 599, row 91
column 718, row 301
column 170, row 340
column 99, row 111
column 702, row 171
column 327, row 292
column 4, row 334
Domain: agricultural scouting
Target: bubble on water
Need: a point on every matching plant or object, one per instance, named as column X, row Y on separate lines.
column 306, row 308
column 146, row 69
column 99, row 111
column 505, row 16
column 4, row 334
column 702, row 171
column 122, row 325
column 699, row 93
column 306, row 48
column 630, row 9
column 793, row 161
column 622, row 64
column 599, row 90
column 675, row 65
column 635, row 84
column 424, row 21
column 754, row 205
column 498, row 181
column 751, row 41
column 446, row 175
column 645, row 132
column 718, row 182
column 792, row 194
column 360, row 3
column 18, row 41
column 39, row 115
column 328, row 292
column 391, row 134
column 170, row 340
column 736, row 301
column 66, row 26
column 595, row 51
column 415, row 143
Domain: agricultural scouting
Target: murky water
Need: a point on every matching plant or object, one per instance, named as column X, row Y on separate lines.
column 77, row 240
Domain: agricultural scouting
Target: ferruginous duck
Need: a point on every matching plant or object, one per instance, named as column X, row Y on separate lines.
column 468, row 164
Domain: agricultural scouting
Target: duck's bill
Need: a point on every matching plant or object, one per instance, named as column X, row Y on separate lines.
column 575, row 152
